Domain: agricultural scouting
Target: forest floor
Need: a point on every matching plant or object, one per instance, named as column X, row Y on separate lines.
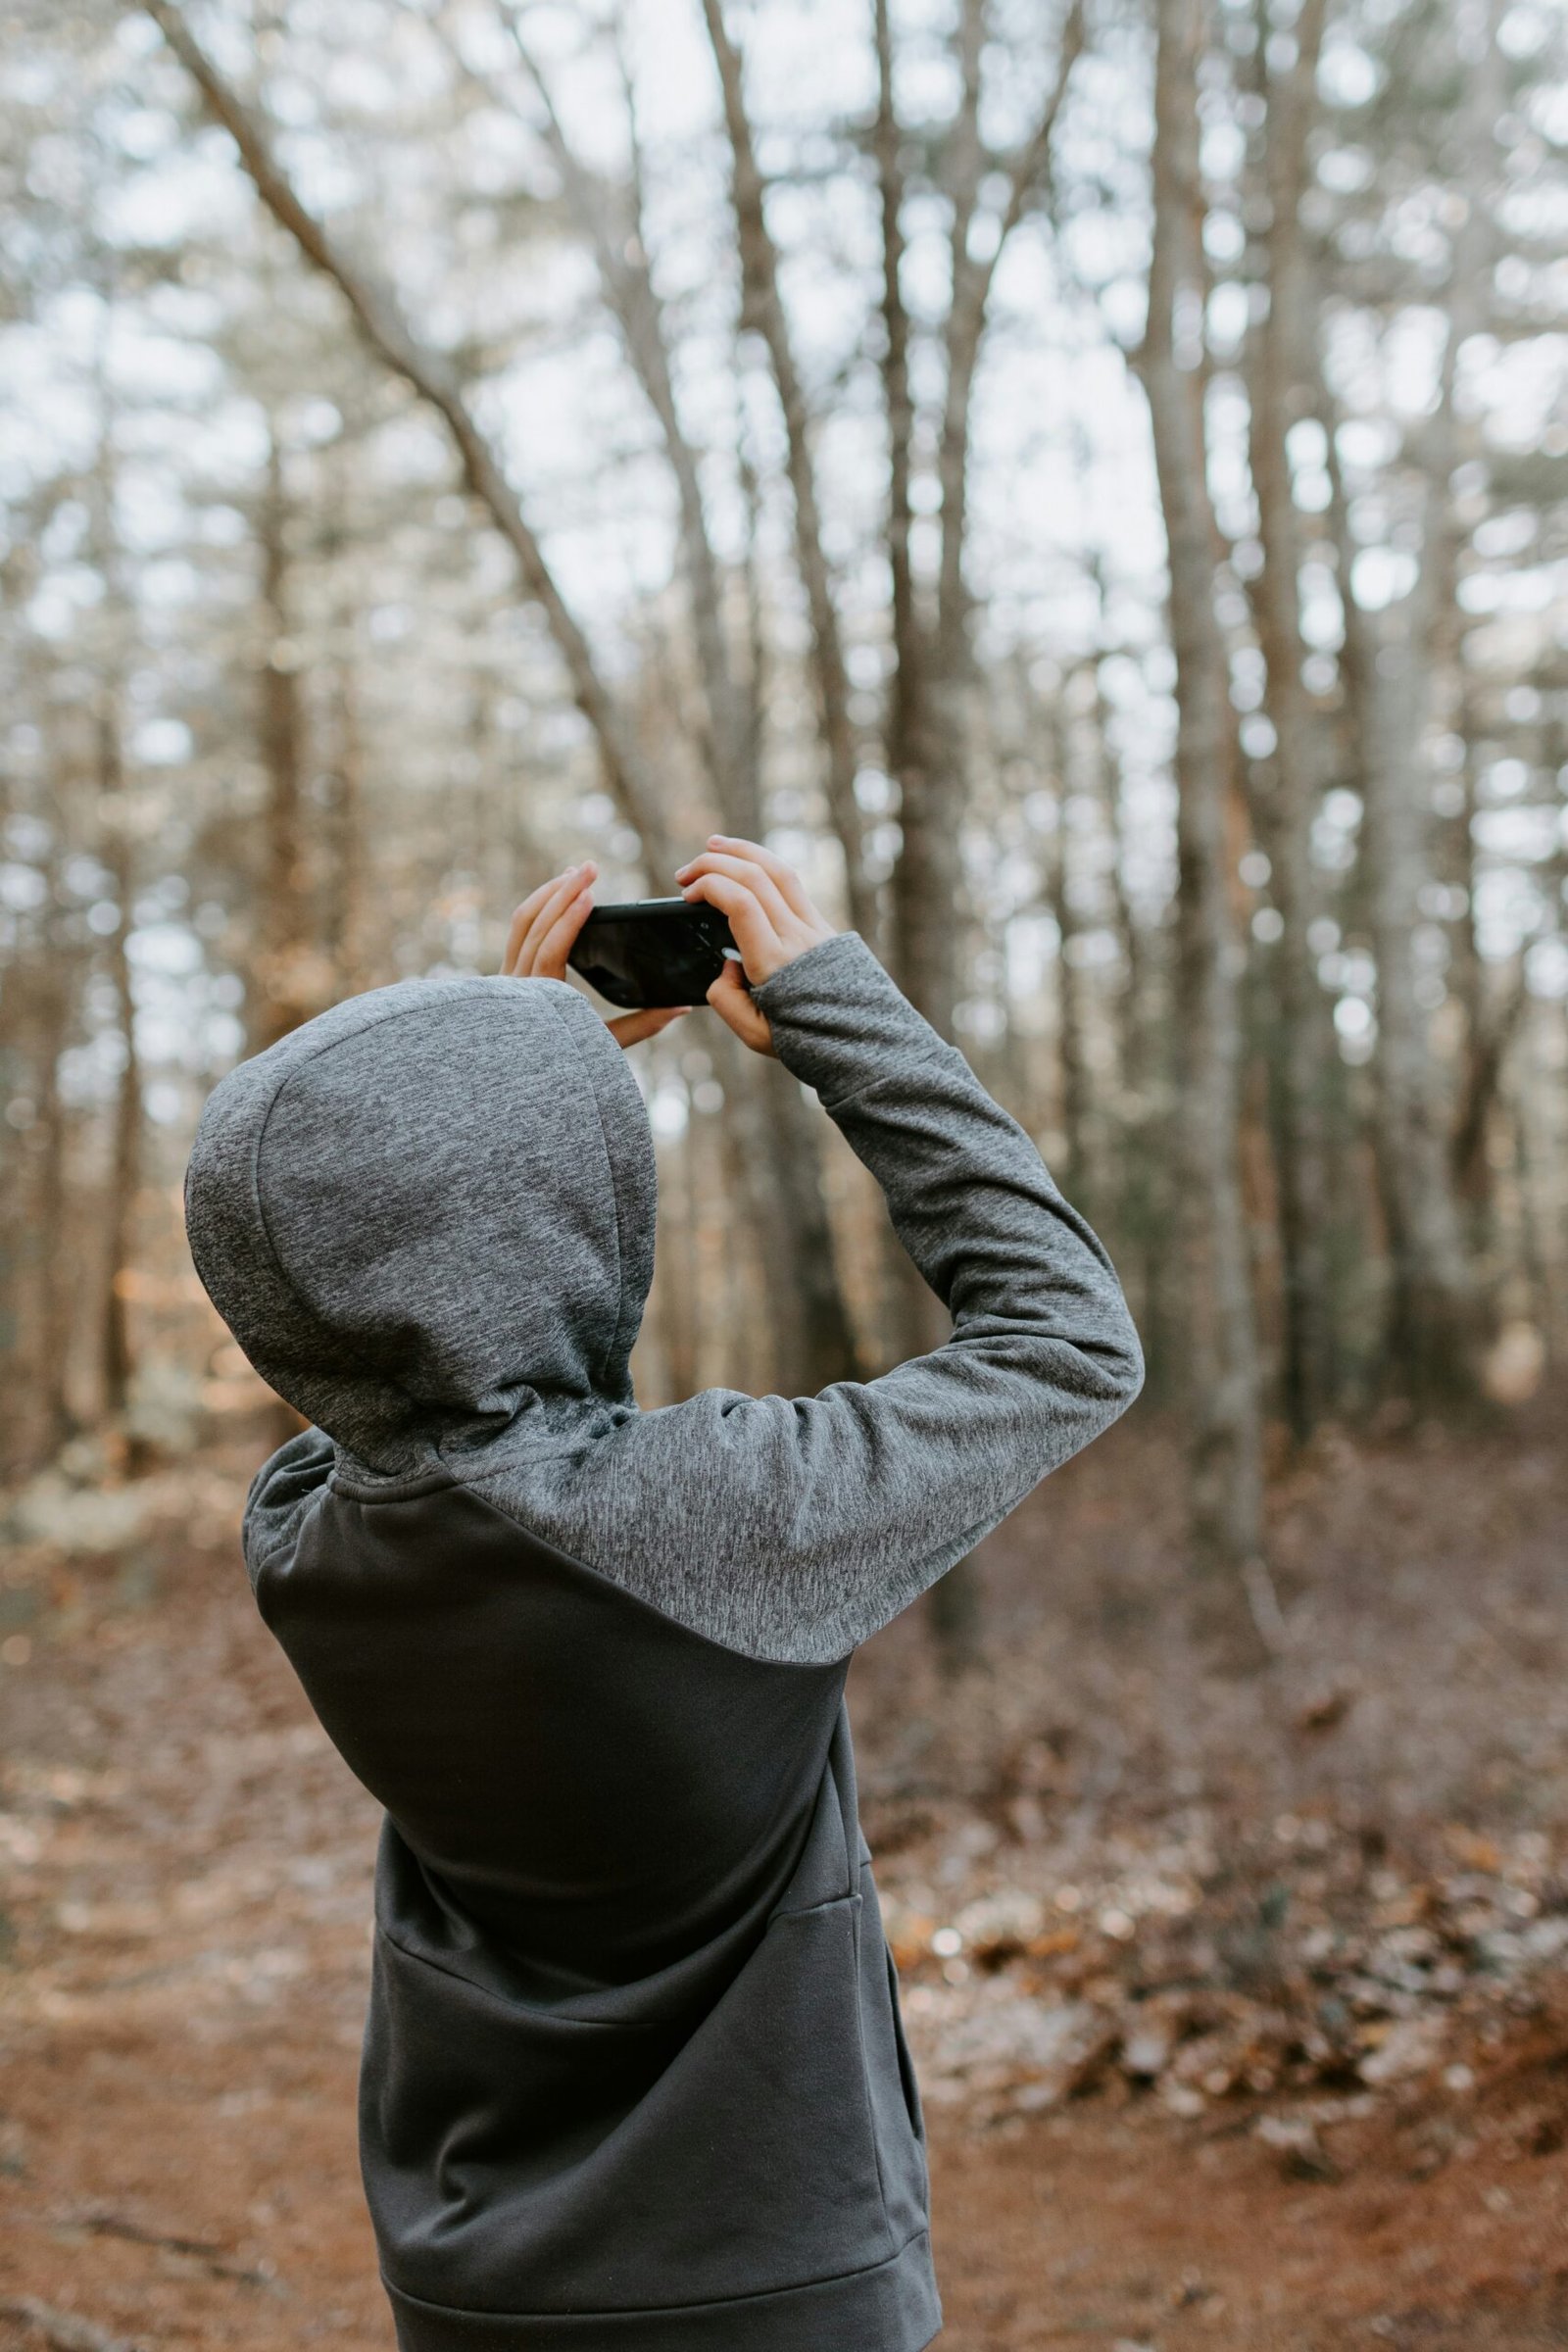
column 1241, row 2001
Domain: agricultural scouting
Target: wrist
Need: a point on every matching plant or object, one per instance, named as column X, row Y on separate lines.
column 839, row 1022
column 787, row 961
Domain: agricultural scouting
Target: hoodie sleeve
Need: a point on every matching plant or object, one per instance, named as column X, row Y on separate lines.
column 792, row 1529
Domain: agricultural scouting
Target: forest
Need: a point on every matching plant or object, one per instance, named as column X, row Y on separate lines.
column 1087, row 481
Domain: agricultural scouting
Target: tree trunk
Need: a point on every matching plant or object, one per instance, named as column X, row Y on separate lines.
column 926, row 718
column 1444, row 447
column 37, row 1017
column 285, row 984
column 927, row 751
column 762, row 308
column 125, row 1164
column 813, row 1343
column 1429, row 1347
column 50, row 1224
column 348, row 888
column 1144, row 1195
column 1226, row 1441
column 933, row 733
column 1429, row 1321
column 54, row 1220
column 1290, row 781
column 1430, row 1342
column 1072, row 1063
column 682, row 1202
column 907, row 745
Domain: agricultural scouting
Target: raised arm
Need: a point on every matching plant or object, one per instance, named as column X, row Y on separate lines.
column 1029, row 1289
column 792, row 1528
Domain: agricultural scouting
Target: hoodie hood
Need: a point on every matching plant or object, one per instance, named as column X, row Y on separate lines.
column 427, row 1215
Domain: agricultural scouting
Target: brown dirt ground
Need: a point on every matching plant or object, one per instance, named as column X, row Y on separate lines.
column 187, row 1876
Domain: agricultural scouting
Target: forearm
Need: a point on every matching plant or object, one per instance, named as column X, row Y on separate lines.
column 968, row 1194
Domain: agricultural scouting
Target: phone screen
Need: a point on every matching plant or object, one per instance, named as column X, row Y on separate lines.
column 653, row 952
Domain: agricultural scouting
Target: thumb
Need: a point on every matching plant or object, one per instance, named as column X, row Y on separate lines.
column 731, row 1000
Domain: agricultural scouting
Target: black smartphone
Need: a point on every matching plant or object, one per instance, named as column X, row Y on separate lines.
column 653, row 952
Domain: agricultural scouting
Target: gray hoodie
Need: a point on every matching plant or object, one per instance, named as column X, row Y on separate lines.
column 458, row 1177
column 428, row 1219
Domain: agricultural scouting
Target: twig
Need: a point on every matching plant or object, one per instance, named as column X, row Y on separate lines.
column 115, row 2225
column 210, row 2252
column 63, row 2328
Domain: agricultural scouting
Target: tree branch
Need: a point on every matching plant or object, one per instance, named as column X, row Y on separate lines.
column 1028, row 180
column 384, row 330
column 762, row 308
column 625, row 280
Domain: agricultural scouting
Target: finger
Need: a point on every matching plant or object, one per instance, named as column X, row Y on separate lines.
column 541, row 910
column 737, row 1010
column 789, row 882
column 631, row 1028
column 743, row 869
column 559, row 895
column 761, row 949
column 548, row 961
column 522, row 917
column 523, row 913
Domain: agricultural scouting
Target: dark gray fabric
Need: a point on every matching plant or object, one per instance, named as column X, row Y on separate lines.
column 633, row 2070
column 429, row 1217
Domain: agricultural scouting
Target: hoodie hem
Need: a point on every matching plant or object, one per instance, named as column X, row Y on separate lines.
column 891, row 2307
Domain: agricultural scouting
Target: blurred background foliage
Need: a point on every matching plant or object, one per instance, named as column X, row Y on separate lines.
column 1090, row 484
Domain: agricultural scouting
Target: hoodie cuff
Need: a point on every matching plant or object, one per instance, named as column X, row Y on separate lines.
column 840, row 1022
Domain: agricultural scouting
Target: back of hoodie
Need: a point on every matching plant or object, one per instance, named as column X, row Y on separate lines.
column 635, row 2072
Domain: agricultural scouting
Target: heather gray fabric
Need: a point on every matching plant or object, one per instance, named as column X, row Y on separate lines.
column 428, row 1218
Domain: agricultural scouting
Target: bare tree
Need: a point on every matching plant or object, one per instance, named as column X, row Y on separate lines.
column 1223, row 1382
column 1445, row 442
column 762, row 310
column 40, row 1009
column 927, row 731
column 1062, row 897
column 1431, row 1306
column 1430, row 1325
column 614, row 222
column 115, row 832
column 286, row 971
column 1293, row 777
column 118, row 834
column 379, row 321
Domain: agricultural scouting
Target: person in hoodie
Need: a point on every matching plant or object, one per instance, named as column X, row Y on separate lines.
column 634, row 2078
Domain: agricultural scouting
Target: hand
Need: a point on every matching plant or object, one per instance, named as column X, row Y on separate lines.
column 772, row 920
column 543, row 930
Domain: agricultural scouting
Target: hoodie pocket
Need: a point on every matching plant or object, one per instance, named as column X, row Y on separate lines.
column 894, row 2100
column 907, row 2081
column 519, row 2161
